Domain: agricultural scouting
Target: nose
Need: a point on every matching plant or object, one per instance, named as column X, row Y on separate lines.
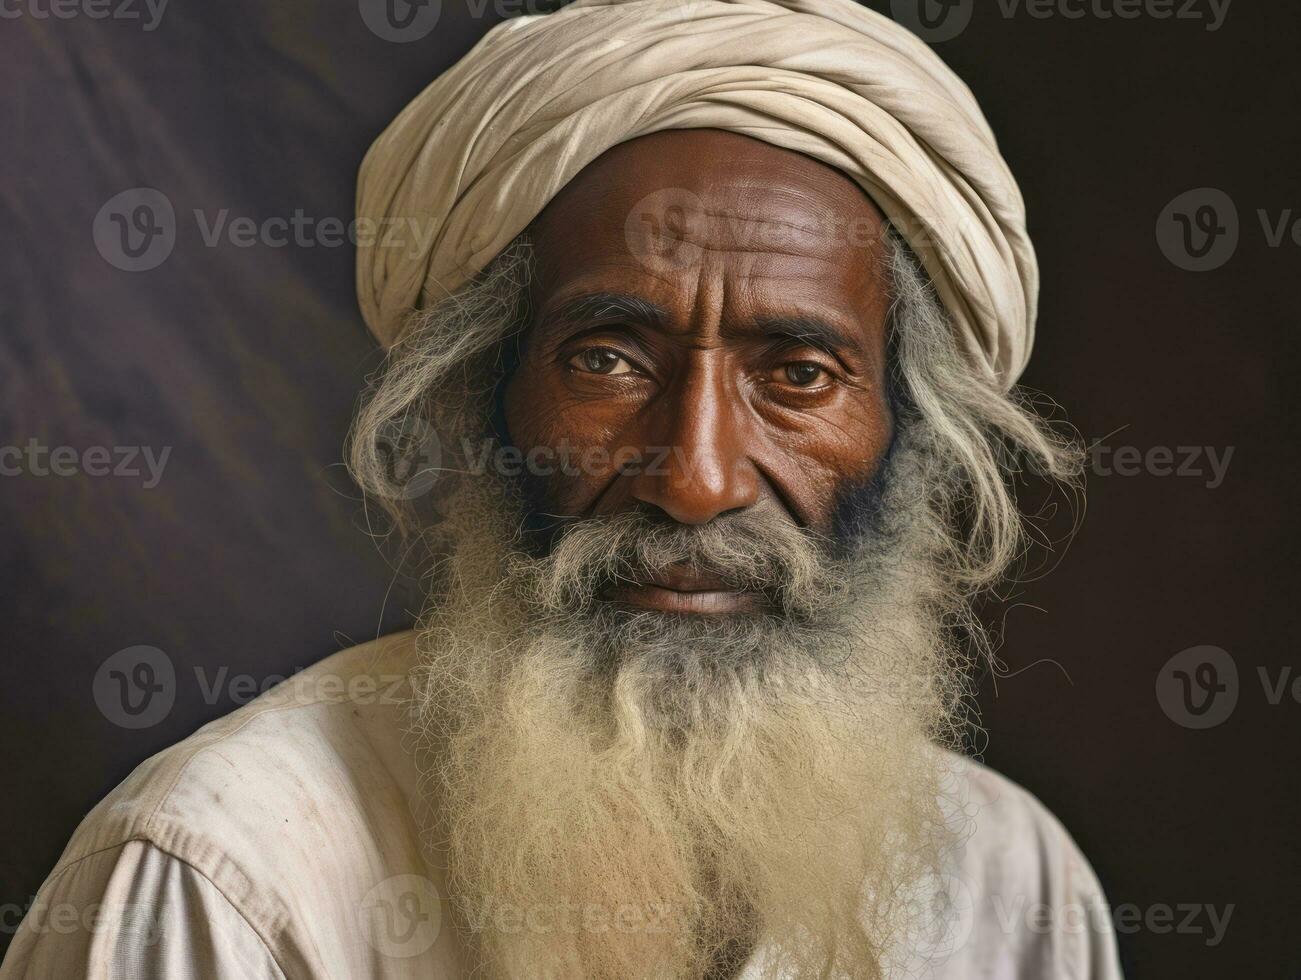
column 699, row 466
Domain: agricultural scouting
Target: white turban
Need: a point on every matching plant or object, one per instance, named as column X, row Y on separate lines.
column 480, row 152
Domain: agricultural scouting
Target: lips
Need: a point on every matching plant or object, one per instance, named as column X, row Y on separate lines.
column 679, row 589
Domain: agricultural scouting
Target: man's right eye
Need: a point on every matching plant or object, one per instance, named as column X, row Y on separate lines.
column 600, row 360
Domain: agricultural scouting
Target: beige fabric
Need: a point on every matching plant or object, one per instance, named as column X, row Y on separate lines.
column 281, row 842
column 154, row 916
column 477, row 155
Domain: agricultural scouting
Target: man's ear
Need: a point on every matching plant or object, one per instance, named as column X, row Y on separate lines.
column 510, row 353
column 509, row 358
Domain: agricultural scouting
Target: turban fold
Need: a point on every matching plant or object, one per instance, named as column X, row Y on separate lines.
column 481, row 151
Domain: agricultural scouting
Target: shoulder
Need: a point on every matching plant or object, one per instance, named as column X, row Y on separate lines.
column 289, row 756
column 292, row 807
column 1025, row 900
column 132, row 912
column 1008, row 830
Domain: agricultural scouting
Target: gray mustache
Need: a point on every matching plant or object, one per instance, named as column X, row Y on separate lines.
column 759, row 551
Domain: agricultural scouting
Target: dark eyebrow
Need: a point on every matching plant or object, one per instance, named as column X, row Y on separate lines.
column 594, row 307
column 809, row 330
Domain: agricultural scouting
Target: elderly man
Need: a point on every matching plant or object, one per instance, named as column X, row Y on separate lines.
column 703, row 364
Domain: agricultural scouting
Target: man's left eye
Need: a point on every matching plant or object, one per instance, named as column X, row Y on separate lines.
column 600, row 360
column 801, row 374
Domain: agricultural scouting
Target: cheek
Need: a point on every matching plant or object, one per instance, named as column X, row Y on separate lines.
column 581, row 436
column 818, row 458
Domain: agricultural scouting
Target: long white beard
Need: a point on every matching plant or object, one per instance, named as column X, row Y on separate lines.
column 646, row 796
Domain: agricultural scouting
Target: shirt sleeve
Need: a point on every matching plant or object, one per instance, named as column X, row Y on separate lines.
column 134, row 912
column 1021, row 900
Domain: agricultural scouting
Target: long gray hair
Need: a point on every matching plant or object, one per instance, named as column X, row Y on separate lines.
column 439, row 380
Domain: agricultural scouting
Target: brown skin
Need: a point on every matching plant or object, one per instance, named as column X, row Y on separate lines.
column 734, row 356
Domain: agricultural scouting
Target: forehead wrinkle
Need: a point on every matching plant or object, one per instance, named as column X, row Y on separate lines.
column 736, row 224
column 736, row 217
column 757, row 250
column 818, row 329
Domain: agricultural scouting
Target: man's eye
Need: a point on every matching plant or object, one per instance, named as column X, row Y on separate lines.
column 600, row 360
column 801, row 374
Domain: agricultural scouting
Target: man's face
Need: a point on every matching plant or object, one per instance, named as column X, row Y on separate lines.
column 720, row 649
column 708, row 338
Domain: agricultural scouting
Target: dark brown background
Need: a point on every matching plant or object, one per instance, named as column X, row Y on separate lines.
column 250, row 556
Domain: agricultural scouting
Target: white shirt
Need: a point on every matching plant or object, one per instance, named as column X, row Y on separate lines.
column 282, row 842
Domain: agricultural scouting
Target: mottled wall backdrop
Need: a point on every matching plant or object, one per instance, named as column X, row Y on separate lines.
column 180, row 351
